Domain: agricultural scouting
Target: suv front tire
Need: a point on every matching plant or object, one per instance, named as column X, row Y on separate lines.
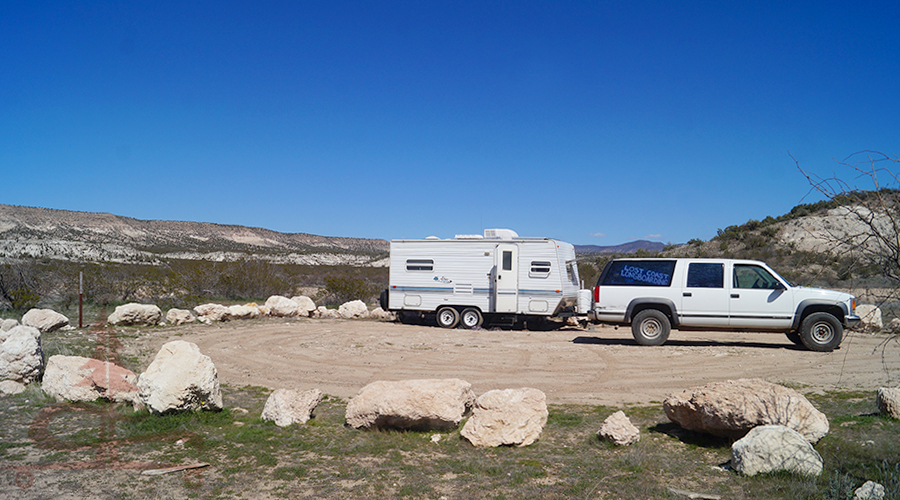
column 821, row 332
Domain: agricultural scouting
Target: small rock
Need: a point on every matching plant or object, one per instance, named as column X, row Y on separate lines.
column 888, row 401
column 619, row 429
column 11, row 387
column 869, row 491
column 45, row 320
column 286, row 407
column 772, row 448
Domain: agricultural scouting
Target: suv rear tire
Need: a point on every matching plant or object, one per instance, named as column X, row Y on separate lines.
column 821, row 332
column 650, row 327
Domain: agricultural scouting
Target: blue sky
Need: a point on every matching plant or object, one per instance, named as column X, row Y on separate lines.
column 592, row 122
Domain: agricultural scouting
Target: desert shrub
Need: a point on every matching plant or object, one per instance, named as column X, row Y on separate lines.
column 340, row 289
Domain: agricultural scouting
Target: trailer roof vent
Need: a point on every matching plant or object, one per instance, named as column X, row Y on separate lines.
column 469, row 237
column 432, row 238
column 500, row 234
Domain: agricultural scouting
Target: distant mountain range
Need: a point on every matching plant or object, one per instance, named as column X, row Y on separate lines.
column 103, row 237
column 630, row 247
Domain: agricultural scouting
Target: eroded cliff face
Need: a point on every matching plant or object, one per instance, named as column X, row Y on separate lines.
column 836, row 230
column 83, row 236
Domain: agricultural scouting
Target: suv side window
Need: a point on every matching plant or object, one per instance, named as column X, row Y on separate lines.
column 750, row 276
column 706, row 275
column 638, row 273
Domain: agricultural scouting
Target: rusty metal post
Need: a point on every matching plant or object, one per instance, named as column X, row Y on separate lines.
column 80, row 298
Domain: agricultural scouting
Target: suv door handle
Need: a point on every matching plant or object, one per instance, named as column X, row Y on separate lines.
column 686, row 294
column 735, row 296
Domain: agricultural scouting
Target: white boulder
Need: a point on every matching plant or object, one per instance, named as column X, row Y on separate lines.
column 74, row 378
column 326, row 313
column 45, row 320
column 180, row 378
column 8, row 324
column 307, row 306
column 507, row 417
column 286, row 407
column 246, row 311
column 888, row 401
column 870, row 317
column 382, row 315
column 282, row 307
column 772, row 448
column 179, row 316
column 411, row 404
column 21, row 358
column 870, row 490
column 618, row 429
column 212, row 312
column 135, row 314
column 355, row 309
column 11, row 387
column 733, row 407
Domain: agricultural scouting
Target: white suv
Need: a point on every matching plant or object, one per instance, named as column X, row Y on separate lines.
column 656, row 295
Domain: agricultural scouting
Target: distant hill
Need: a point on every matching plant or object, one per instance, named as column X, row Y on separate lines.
column 102, row 237
column 630, row 247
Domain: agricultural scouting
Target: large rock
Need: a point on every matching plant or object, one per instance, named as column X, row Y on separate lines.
column 618, row 429
column 180, row 316
column 45, row 320
column 411, row 404
column 355, row 309
column 733, row 407
column 870, row 317
column 243, row 312
column 282, row 307
column 74, row 378
column 21, row 358
column 8, row 324
column 772, row 448
column 380, row 314
column 507, row 417
column 212, row 312
column 135, row 314
column 888, row 401
column 870, row 490
column 11, row 387
column 323, row 312
column 180, row 378
column 307, row 306
column 286, row 407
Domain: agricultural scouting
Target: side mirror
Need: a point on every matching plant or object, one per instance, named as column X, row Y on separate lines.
column 780, row 286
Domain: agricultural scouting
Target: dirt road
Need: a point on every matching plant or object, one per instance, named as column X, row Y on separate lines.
column 599, row 365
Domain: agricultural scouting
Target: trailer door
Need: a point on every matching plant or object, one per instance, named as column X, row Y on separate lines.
column 506, row 278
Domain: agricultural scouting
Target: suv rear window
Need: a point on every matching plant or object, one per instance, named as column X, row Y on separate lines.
column 638, row 273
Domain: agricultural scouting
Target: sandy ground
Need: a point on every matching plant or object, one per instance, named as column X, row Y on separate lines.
column 597, row 365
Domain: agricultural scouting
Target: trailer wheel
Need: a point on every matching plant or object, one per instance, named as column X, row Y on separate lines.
column 447, row 317
column 471, row 318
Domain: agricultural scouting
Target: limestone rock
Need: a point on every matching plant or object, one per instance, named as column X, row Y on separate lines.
column 354, row 309
column 282, row 306
column 411, row 404
column 21, row 358
column 618, row 429
column 733, row 407
column 771, row 448
column 507, row 417
column 307, row 306
column 45, row 320
column 11, row 387
column 135, row 314
column 286, row 407
column 212, row 312
column 180, row 378
column 894, row 325
column 8, row 324
column 326, row 313
column 382, row 315
column 180, row 316
column 243, row 312
column 888, row 401
column 870, row 317
column 869, row 491
column 74, row 378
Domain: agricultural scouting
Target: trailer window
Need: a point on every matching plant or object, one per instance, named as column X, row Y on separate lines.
column 572, row 272
column 507, row 260
column 539, row 269
column 419, row 265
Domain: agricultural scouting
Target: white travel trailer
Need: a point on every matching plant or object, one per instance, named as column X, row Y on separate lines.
column 470, row 279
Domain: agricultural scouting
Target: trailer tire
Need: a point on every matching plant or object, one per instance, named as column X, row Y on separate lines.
column 650, row 327
column 447, row 317
column 471, row 318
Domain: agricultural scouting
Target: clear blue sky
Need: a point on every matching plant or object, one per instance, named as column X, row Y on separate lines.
column 592, row 122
